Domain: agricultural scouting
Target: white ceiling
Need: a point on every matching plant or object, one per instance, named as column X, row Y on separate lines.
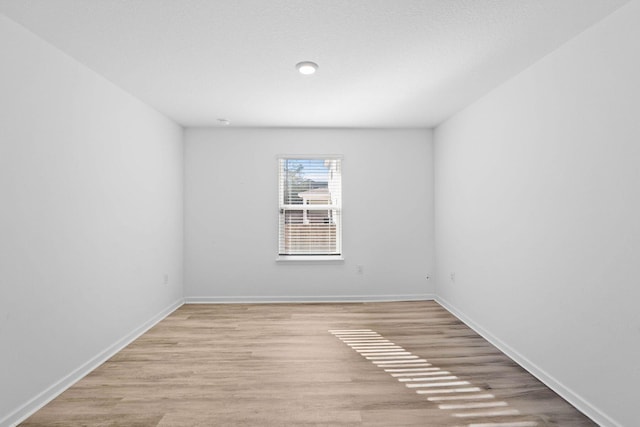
column 383, row 63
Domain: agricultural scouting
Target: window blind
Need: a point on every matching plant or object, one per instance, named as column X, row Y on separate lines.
column 310, row 202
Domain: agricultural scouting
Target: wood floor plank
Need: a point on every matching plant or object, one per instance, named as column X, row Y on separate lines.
column 279, row 365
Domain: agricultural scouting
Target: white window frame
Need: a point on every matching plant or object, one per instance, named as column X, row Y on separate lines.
column 328, row 258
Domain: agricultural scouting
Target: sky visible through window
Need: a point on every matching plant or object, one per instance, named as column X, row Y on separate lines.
column 311, row 169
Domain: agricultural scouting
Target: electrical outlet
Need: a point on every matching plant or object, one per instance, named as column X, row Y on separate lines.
column 452, row 276
column 166, row 278
column 359, row 269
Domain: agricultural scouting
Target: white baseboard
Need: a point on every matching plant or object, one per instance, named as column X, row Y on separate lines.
column 303, row 299
column 566, row 393
column 56, row 389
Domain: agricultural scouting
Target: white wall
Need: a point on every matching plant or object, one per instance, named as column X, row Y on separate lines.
column 90, row 219
column 538, row 215
column 231, row 215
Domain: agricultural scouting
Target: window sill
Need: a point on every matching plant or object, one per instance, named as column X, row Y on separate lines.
column 329, row 259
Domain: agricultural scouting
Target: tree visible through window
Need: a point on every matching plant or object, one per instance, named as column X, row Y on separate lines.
column 310, row 206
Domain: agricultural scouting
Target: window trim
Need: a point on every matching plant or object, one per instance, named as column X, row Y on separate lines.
column 315, row 258
column 329, row 259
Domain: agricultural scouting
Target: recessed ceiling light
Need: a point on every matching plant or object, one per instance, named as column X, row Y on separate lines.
column 307, row 67
column 224, row 122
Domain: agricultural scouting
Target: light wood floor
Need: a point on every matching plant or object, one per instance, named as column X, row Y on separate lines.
column 278, row 365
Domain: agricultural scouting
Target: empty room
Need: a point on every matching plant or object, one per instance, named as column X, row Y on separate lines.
column 319, row 213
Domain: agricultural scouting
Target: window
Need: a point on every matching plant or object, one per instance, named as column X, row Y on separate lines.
column 310, row 201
